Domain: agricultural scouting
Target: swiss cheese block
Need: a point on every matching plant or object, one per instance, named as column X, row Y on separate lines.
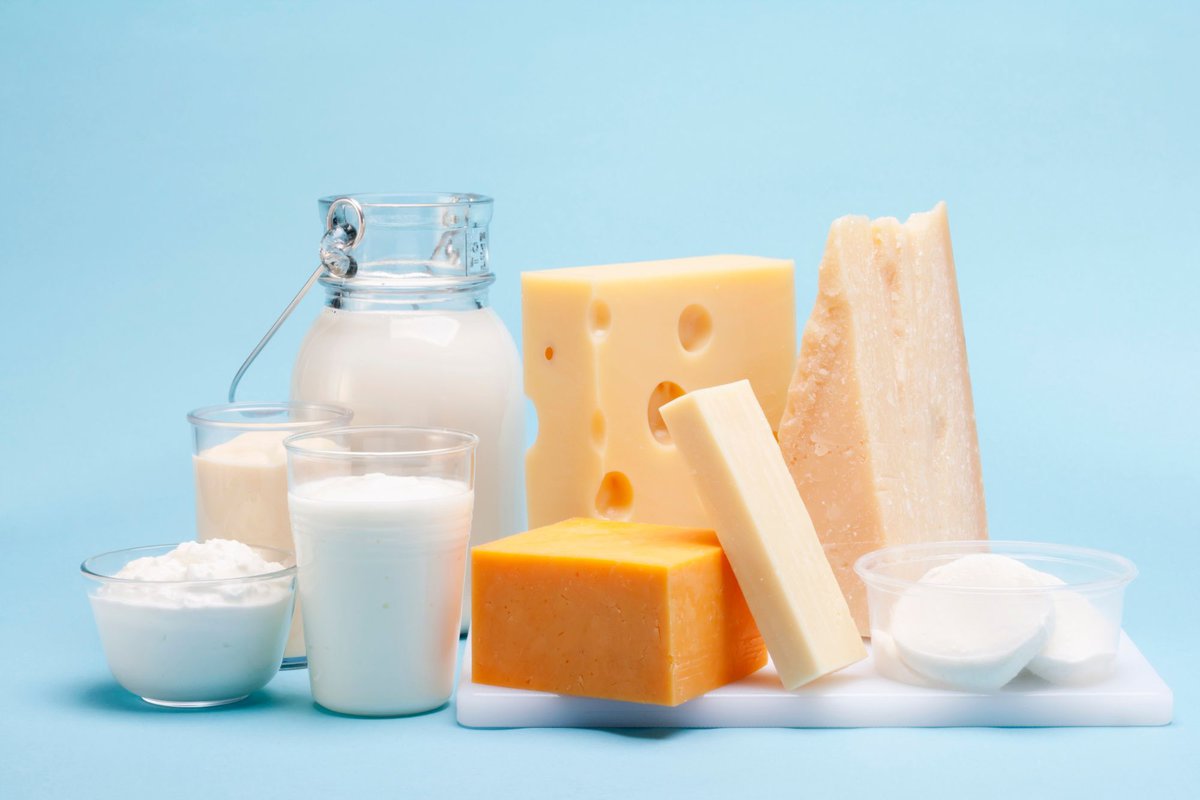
column 623, row 611
column 766, row 532
column 606, row 346
column 879, row 431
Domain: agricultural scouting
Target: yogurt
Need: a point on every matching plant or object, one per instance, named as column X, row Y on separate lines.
column 381, row 561
column 241, row 490
column 196, row 625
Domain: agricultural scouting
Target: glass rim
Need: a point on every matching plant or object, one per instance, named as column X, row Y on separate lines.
column 295, row 444
column 867, row 566
column 409, row 199
column 87, row 568
column 205, row 416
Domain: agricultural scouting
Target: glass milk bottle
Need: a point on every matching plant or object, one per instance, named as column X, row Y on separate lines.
column 407, row 338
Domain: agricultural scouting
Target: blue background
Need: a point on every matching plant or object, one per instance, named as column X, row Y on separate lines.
column 160, row 164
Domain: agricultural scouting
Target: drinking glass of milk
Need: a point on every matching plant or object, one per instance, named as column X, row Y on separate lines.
column 381, row 518
column 241, row 478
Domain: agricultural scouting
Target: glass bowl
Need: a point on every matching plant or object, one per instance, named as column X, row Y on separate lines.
column 976, row 625
column 191, row 643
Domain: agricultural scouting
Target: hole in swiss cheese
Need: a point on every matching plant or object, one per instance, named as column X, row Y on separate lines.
column 599, row 319
column 695, row 327
column 664, row 393
column 614, row 500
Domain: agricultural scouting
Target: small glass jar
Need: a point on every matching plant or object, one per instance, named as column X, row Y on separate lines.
column 241, row 477
column 407, row 338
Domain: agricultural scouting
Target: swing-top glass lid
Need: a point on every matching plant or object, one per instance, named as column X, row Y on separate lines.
column 409, row 241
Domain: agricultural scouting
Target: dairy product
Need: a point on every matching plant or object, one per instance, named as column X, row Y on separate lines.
column 428, row 368
column 973, row 639
column 241, row 490
column 1082, row 645
column 879, row 430
column 888, row 662
column 214, row 560
column 381, row 560
column 607, row 346
column 241, row 493
column 623, row 611
column 974, row 621
column 765, row 530
column 181, row 628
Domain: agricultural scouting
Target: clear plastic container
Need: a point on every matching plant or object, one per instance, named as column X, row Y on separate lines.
column 193, row 643
column 933, row 625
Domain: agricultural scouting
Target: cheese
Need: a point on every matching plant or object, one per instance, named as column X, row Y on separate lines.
column 606, row 346
column 1082, row 645
column 765, row 530
column 622, row 611
column 879, row 431
column 956, row 630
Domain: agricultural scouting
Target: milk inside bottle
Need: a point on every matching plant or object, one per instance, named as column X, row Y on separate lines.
column 406, row 337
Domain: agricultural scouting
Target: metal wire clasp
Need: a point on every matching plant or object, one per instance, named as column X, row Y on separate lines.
column 334, row 253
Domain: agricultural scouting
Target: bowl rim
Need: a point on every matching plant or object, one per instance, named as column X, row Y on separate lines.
column 86, row 567
column 1124, row 570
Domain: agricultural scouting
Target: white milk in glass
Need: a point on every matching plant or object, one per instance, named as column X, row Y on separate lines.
column 380, row 561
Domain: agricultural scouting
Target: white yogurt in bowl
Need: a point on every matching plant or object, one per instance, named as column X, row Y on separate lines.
column 194, row 625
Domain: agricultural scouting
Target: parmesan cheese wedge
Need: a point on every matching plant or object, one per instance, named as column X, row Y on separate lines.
column 879, row 429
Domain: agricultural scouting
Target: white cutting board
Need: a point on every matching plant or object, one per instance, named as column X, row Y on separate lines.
column 856, row 697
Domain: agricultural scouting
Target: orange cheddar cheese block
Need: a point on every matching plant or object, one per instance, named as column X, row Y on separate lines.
column 879, row 429
column 615, row 610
